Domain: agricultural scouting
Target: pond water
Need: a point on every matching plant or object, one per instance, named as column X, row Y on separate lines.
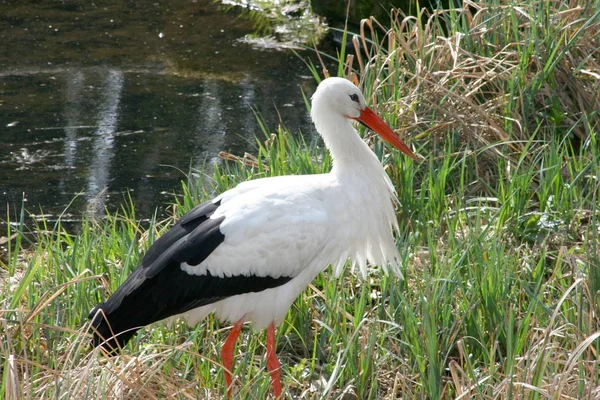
column 100, row 100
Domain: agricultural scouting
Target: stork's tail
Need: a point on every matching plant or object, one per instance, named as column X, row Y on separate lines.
column 110, row 331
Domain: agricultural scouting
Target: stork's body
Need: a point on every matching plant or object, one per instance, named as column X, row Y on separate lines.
column 247, row 254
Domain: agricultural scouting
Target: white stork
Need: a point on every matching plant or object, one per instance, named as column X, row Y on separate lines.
column 248, row 253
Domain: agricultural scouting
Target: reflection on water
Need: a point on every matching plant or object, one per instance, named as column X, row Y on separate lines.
column 135, row 112
column 103, row 145
column 72, row 113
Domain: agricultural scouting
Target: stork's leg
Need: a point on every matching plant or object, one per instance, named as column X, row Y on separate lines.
column 227, row 354
column 273, row 362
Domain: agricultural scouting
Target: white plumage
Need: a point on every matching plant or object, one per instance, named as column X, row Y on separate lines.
column 250, row 252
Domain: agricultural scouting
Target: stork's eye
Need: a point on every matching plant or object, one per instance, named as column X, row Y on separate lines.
column 354, row 97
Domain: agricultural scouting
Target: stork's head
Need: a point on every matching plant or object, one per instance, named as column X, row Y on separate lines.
column 340, row 96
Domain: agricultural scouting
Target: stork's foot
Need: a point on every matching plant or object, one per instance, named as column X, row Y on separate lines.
column 227, row 354
column 273, row 364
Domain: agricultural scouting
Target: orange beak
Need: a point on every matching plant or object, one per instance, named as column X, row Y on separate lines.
column 376, row 124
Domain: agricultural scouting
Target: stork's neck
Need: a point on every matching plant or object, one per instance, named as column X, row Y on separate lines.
column 367, row 191
column 354, row 163
column 349, row 152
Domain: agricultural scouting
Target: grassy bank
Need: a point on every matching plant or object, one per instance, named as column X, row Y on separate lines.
column 500, row 238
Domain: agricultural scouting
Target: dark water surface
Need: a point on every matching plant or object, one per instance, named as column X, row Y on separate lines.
column 101, row 99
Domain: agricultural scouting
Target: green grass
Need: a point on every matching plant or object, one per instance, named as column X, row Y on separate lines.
column 500, row 231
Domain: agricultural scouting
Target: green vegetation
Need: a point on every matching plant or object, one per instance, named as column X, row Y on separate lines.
column 280, row 24
column 500, row 238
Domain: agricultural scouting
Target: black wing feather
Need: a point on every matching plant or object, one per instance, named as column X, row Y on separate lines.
column 159, row 288
column 186, row 224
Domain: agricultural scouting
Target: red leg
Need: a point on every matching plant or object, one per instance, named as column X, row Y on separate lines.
column 273, row 362
column 227, row 354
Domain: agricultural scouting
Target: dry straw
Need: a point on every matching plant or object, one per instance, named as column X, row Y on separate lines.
column 505, row 74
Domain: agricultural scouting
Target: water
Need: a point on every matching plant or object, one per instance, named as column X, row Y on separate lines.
column 97, row 101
